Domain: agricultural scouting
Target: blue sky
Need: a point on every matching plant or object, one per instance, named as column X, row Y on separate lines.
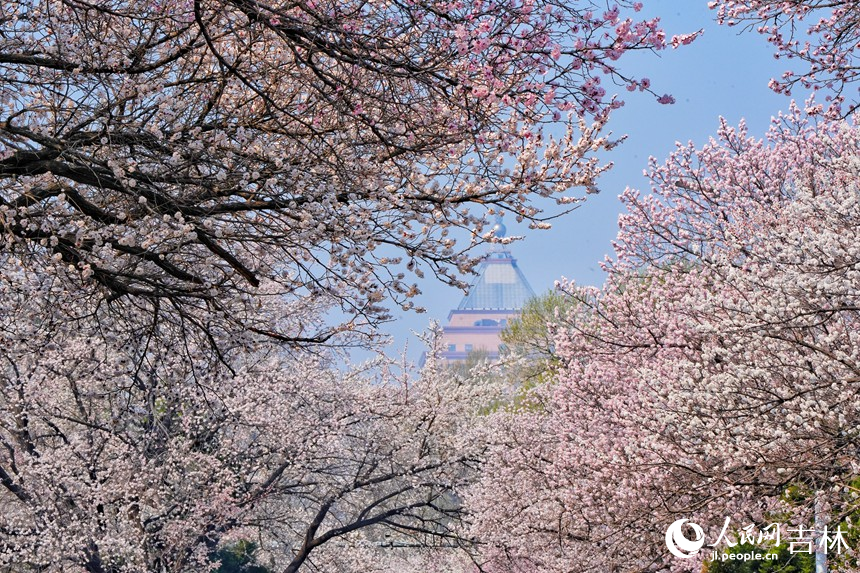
column 723, row 73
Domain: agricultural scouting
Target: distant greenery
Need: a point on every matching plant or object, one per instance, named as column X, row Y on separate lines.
column 530, row 348
column 785, row 562
column 530, row 332
column 531, row 337
column 238, row 558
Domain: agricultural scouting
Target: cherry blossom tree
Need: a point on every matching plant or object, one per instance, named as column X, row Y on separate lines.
column 179, row 155
column 823, row 34
column 714, row 375
column 119, row 454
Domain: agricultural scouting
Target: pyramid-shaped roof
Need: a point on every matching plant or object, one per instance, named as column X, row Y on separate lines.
column 500, row 285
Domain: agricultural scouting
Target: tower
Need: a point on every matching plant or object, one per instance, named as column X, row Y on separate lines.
column 497, row 295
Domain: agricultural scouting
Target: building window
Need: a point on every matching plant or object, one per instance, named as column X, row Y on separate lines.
column 452, row 348
column 486, row 322
column 468, row 348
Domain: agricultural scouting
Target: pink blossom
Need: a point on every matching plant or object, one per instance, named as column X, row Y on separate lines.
column 480, row 91
column 727, row 325
column 685, row 39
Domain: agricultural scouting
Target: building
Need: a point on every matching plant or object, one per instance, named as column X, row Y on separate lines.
column 497, row 295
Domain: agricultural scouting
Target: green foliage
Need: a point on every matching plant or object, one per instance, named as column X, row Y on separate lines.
column 530, row 337
column 530, row 348
column 528, row 351
column 785, row 562
column 530, row 332
column 238, row 558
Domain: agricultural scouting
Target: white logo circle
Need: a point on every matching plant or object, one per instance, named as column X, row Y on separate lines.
column 680, row 546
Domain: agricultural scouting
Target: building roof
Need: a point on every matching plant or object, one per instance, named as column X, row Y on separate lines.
column 500, row 285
